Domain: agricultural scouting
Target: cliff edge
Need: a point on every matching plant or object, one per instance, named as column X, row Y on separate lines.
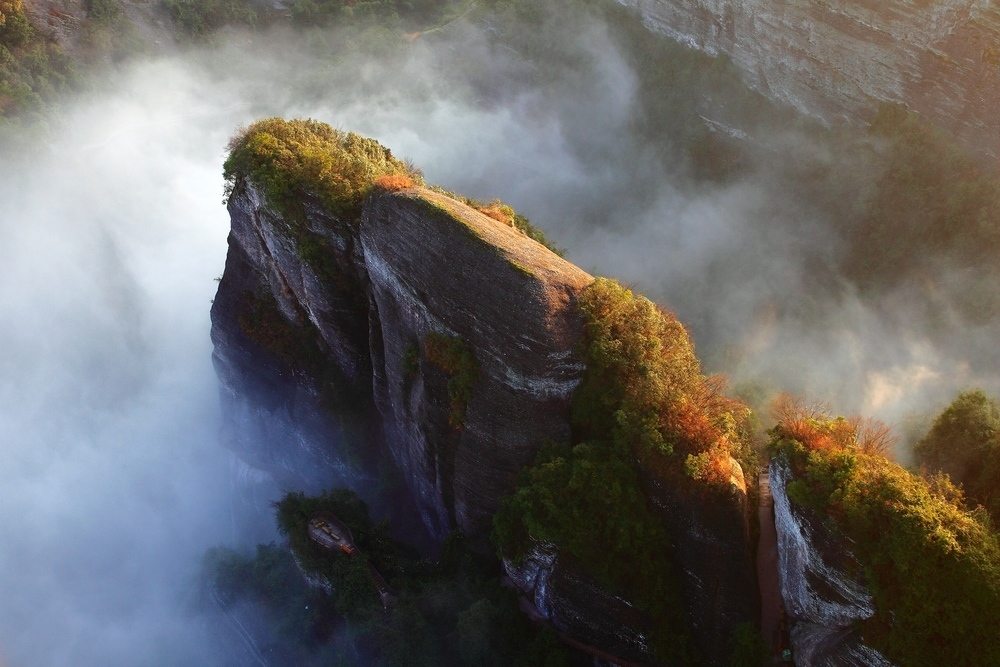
column 426, row 352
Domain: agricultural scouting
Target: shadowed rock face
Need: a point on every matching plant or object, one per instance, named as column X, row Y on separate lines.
column 711, row 544
column 823, row 601
column 941, row 58
column 354, row 374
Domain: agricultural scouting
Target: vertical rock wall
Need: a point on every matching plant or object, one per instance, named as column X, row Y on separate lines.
column 417, row 263
column 839, row 58
column 824, row 603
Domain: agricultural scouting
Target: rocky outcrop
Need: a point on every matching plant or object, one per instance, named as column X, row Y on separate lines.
column 436, row 266
column 332, row 342
column 820, row 584
column 323, row 363
column 837, row 58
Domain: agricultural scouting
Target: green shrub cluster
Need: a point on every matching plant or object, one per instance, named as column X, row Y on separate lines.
column 642, row 408
column 292, row 159
column 452, row 611
column 932, row 566
column 387, row 12
column 964, row 443
column 452, row 355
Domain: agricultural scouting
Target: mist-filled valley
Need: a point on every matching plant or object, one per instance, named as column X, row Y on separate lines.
column 792, row 250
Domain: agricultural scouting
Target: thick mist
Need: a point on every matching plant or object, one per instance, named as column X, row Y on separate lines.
column 112, row 481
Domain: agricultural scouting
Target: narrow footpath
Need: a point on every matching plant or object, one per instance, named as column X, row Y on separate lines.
column 767, row 571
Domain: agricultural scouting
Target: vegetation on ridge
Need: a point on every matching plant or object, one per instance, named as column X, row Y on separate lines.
column 964, row 443
column 643, row 408
column 292, row 159
column 932, row 566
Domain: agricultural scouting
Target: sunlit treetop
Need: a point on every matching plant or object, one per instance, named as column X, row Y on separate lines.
column 293, row 158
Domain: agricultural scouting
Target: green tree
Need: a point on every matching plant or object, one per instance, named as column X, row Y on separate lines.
column 964, row 443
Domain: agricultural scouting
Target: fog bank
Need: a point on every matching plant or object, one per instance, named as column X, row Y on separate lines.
column 113, row 483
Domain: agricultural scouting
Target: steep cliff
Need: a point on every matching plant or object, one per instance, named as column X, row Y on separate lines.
column 830, row 59
column 878, row 565
column 316, row 357
column 823, row 601
column 368, row 329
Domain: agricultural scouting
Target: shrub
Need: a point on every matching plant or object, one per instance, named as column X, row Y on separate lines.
column 394, row 182
column 199, row 18
column 106, row 11
column 748, row 648
column 964, row 443
column 296, row 158
column 932, row 566
column 33, row 69
column 14, row 27
column 453, row 356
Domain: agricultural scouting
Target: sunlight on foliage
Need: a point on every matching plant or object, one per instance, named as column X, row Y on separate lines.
column 933, row 567
column 291, row 159
column 642, row 408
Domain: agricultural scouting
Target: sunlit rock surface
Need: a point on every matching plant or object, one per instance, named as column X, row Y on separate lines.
column 839, row 58
column 823, row 601
column 435, row 265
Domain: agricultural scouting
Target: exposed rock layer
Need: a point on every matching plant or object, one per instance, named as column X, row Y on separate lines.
column 836, row 58
column 417, row 263
column 823, row 600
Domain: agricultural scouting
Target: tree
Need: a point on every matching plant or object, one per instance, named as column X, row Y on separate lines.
column 964, row 443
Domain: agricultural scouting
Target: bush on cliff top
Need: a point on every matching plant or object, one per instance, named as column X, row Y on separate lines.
column 932, row 566
column 964, row 442
column 293, row 158
column 642, row 409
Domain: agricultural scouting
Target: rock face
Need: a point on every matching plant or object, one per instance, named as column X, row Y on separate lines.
column 437, row 266
column 561, row 594
column 823, row 600
column 940, row 58
column 324, row 363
